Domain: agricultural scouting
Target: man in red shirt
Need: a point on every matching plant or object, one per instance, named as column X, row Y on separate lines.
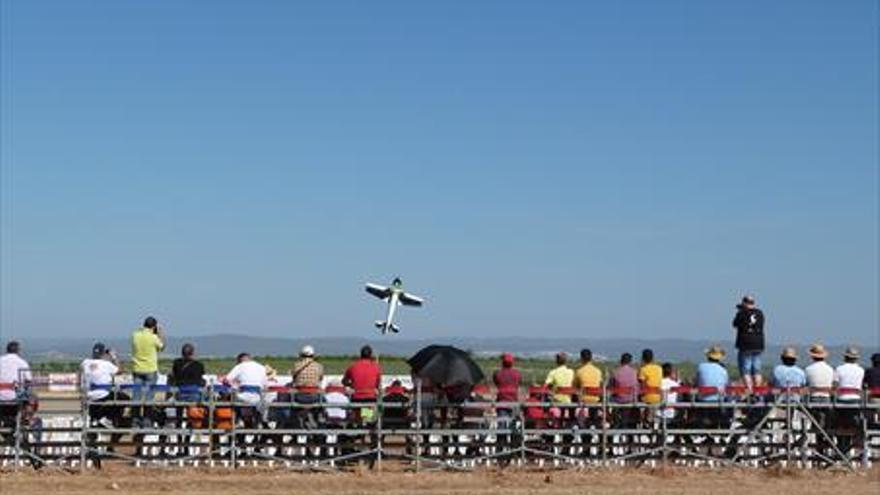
column 363, row 376
column 507, row 381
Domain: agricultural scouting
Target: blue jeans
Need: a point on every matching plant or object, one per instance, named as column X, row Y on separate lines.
column 749, row 362
column 143, row 391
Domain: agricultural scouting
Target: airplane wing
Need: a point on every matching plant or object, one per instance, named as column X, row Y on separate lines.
column 411, row 300
column 379, row 291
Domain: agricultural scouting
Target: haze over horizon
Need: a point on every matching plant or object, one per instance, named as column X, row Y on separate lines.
column 565, row 170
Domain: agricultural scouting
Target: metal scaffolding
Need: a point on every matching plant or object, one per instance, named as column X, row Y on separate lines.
column 758, row 428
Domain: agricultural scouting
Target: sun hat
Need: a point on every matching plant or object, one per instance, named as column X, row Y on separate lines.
column 818, row 351
column 789, row 352
column 716, row 352
column 851, row 352
column 307, row 351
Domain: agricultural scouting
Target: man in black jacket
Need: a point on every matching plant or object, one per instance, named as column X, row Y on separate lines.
column 749, row 325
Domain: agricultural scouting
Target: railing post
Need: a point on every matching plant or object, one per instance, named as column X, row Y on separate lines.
column 605, row 422
column 379, row 414
column 418, row 452
column 84, row 431
column 17, row 433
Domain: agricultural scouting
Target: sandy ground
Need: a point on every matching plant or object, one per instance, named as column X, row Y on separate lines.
column 508, row 482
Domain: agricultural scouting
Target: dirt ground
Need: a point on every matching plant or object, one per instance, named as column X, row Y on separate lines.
column 507, row 482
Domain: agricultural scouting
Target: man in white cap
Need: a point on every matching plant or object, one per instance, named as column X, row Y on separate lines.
column 849, row 376
column 820, row 375
column 306, row 376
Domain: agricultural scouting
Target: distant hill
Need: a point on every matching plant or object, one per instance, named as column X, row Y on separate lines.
column 224, row 345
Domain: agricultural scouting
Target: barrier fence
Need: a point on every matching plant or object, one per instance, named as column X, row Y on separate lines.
column 420, row 428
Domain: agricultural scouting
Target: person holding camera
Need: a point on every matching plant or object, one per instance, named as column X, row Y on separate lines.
column 146, row 343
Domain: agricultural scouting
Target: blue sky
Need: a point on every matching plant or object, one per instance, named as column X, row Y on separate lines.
column 590, row 169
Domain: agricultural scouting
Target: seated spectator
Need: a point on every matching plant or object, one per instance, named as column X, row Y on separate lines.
column 849, row 376
column 667, row 386
column 624, row 390
column 364, row 377
column 588, row 376
column 712, row 374
column 871, row 379
column 334, row 395
column 788, row 376
column 396, row 405
column 871, row 384
column 650, row 378
column 587, row 381
column 820, row 375
column 306, row 376
column 625, row 380
column 188, row 375
column 535, row 412
column 560, row 377
column 249, row 377
column 507, row 381
column 15, row 377
column 97, row 379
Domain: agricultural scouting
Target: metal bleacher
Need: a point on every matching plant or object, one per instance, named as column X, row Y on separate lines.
column 418, row 429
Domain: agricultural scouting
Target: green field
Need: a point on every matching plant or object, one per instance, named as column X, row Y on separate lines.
column 534, row 370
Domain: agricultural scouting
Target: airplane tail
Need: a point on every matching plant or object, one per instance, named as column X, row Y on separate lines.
column 385, row 327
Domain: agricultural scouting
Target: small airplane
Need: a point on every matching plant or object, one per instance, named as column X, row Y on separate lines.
column 395, row 296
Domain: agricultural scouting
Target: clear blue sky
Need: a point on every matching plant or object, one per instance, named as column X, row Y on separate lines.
column 588, row 169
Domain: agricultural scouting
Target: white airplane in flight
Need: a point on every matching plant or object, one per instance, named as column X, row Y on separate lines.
column 395, row 296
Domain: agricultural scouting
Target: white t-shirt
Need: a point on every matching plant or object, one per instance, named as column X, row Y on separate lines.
column 666, row 387
column 849, row 375
column 97, row 372
column 15, row 370
column 336, row 412
column 819, row 375
column 248, row 374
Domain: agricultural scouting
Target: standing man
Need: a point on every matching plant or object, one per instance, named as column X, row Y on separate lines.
column 146, row 342
column 749, row 325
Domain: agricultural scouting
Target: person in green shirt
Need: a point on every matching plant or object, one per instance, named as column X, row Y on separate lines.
column 146, row 342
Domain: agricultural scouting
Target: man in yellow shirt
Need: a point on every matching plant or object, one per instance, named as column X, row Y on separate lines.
column 650, row 378
column 560, row 377
column 146, row 342
column 588, row 375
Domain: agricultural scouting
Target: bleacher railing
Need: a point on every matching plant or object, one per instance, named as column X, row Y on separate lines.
column 320, row 429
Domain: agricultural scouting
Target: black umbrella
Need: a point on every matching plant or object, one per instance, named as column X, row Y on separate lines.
column 446, row 365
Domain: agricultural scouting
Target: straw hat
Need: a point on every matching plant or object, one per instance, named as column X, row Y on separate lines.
column 789, row 352
column 716, row 352
column 851, row 352
column 818, row 351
